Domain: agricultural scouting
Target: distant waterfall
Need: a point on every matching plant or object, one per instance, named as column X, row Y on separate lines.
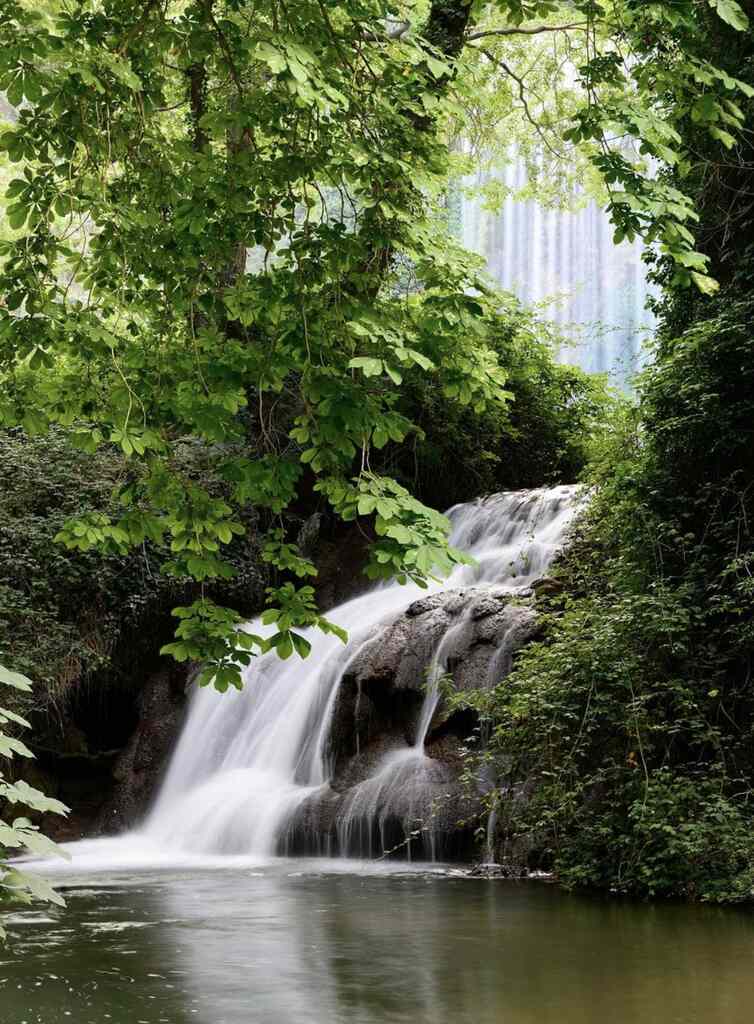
column 539, row 254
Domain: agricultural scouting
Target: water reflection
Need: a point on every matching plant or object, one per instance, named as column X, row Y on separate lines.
column 290, row 942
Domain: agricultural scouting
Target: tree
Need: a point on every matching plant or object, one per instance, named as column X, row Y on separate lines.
column 225, row 229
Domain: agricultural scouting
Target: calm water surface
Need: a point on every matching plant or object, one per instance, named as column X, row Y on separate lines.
column 317, row 943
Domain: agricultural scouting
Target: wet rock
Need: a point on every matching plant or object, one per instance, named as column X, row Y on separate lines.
column 489, row 870
column 388, row 800
column 547, row 586
column 473, row 635
column 138, row 768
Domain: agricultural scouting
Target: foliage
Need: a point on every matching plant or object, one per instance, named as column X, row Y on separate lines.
column 20, row 835
column 148, row 328
column 720, row 183
column 630, row 722
column 97, row 617
column 217, row 208
column 70, row 617
column 615, row 85
column 626, row 732
column 542, row 437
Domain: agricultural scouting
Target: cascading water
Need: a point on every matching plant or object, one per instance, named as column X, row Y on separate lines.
column 247, row 762
column 600, row 288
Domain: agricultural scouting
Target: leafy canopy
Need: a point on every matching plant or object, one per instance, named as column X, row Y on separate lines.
column 223, row 227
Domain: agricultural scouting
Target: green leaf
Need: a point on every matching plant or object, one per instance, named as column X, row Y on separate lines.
column 10, row 746
column 302, row 645
column 6, row 715
column 369, row 366
column 707, row 285
column 731, row 13
column 22, row 792
column 274, row 59
column 37, row 887
column 722, row 136
column 15, row 679
column 379, row 437
column 437, row 67
column 283, row 643
column 420, row 359
column 17, row 217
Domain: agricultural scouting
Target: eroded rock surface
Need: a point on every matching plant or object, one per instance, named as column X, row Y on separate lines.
column 474, row 635
column 138, row 767
column 383, row 783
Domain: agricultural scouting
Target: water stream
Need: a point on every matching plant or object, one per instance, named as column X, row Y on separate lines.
column 193, row 919
column 248, row 760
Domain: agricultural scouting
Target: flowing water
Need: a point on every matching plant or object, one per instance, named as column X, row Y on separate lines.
column 308, row 942
column 193, row 919
column 247, row 761
column 599, row 289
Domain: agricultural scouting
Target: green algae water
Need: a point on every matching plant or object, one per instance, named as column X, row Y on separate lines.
column 306, row 942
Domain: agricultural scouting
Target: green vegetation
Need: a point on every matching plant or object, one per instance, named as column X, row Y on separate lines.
column 631, row 720
column 623, row 740
column 227, row 225
column 627, row 730
column 19, row 835
column 229, row 299
column 543, row 435
column 69, row 618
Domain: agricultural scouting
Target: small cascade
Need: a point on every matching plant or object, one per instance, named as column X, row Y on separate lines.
column 257, row 771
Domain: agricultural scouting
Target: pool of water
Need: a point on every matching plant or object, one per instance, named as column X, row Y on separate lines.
column 313, row 942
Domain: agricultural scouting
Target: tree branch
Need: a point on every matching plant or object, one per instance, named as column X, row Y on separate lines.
column 234, row 73
column 522, row 96
column 197, row 76
column 137, row 26
column 519, row 31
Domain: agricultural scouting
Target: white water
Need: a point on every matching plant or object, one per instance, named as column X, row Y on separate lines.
column 246, row 761
column 538, row 254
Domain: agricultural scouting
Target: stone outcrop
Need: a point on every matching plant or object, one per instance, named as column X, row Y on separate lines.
column 475, row 632
column 377, row 775
column 138, row 767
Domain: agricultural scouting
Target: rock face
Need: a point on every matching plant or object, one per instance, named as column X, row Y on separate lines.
column 473, row 633
column 139, row 765
column 384, row 785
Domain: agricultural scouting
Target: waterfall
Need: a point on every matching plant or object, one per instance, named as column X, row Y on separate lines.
column 248, row 761
column 599, row 289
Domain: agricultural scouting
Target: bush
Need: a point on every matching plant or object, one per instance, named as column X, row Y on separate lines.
column 70, row 618
column 543, row 438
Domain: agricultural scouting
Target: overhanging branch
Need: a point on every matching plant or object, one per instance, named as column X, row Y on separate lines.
column 521, row 31
column 522, row 97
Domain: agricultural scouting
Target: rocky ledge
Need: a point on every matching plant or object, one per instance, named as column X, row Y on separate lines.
column 385, row 791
